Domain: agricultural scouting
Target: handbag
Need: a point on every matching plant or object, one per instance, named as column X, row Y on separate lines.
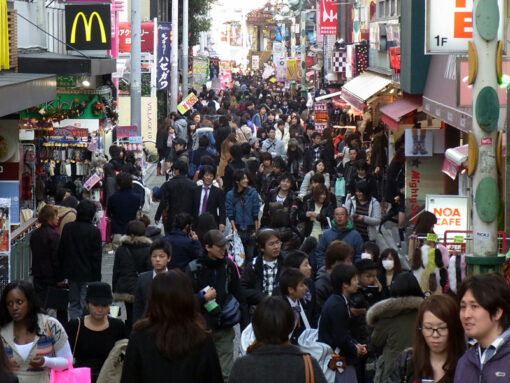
column 238, row 250
column 230, row 313
column 71, row 375
column 309, row 377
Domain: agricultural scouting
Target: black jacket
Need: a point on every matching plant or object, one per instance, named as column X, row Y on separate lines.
column 222, row 133
column 131, row 259
column 369, row 179
column 253, row 278
column 80, row 252
column 144, row 363
column 323, row 287
column 44, row 247
column 290, row 205
column 143, row 285
column 327, row 210
column 177, row 196
column 274, row 363
column 184, row 249
column 161, row 139
column 310, row 156
column 231, row 167
column 215, row 204
column 223, row 276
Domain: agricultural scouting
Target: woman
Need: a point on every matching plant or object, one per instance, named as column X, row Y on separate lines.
column 389, row 268
column 242, row 206
column 315, row 212
column 243, row 132
column 296, row 130
column 94, row 335
column 225, row 153
column 172, row 343
column 34, row 342
column 271, row 358
column 131, row 259
column 44, row 247
column 364, row 211
column 393, row 320
column 438, row 343
column 318, row 168
column 161, row 142
column 295, row 160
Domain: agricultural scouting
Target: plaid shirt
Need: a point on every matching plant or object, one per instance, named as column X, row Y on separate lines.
column 270, row 272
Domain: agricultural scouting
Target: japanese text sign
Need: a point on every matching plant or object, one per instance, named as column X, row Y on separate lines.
column 328, row 16
column 146, row 37
column 163, row 63
column 187, row 103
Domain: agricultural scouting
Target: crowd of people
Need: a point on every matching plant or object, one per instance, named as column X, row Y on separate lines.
column 309, row 287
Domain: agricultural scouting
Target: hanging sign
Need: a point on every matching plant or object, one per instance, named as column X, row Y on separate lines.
column 88, row 26
column 146, row 37
column 187, row 103
column 200, row 70
column 163, row 58
column 328, row 16
column 449, row 25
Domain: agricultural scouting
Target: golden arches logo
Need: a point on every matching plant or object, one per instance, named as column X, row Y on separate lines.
column 88, row 27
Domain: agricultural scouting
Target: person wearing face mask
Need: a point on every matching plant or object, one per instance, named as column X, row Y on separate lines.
column 389, row 269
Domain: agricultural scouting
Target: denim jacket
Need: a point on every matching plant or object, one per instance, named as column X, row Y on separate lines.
column 242, row 208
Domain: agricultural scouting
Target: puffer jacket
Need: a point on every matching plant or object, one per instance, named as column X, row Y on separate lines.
column 496, row 368
column 393, row 320
column 372, row 220
column 131, row 259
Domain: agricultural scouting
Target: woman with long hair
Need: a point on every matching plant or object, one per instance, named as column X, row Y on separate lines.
column 389, row 267
column 295, row 159
column 271, row 358
column 225, row 153
column 161, row 142
column 34, row 342
column 438, row 343
column 315, row 212
column 318, row 168
column 171, row 343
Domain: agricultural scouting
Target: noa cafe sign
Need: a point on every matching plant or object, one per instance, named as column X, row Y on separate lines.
column 449, row 25
column 451, row 212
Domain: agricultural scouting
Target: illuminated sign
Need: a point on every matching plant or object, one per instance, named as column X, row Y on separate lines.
column 88, row 26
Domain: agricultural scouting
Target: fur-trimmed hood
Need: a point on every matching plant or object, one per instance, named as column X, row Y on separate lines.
column 137, row 240
column 391, row 307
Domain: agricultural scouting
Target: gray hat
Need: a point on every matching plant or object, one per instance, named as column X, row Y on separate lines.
column 293, row 142
column 215, row 237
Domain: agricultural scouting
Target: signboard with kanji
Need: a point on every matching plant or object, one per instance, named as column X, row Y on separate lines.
column 146, row 37
column 328, row 16
column 163, row 57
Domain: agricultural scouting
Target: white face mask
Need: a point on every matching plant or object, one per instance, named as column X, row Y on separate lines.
column 366, row 256
column 388, row 264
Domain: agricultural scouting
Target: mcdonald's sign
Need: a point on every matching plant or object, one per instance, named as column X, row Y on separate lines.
column 88, row 27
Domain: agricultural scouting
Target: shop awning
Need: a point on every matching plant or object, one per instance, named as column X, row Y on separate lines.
column 440, row 97
column 392, row 114
column 65, row 64
column 357, row 91
column 19, row 91
column 328, row 96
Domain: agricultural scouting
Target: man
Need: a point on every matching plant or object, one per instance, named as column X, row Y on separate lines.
column 161, row 254
column 349, row 170
column 185, row 244
column 307, row 138
column 122, row 206
column 341, row 232
column 281, row 197
column 65, row 212
column 485, row 316
column 273, row 145
column 80, row 254
column 177, row 194
column 312, row 153
column 216, row 282
column 178, row 153
column 209, row 198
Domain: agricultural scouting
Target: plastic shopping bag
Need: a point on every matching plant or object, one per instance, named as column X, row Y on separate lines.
column 237, row 250
column 71, row 375
column 340, row 187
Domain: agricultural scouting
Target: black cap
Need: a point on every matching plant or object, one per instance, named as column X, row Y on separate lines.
column 215, row 237
column 99, row 293
column 366, row 264
column 179, row 141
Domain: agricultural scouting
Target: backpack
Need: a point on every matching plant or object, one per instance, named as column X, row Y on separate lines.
column 147, row 200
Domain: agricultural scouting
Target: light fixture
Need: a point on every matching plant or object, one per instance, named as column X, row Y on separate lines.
column 85, row 83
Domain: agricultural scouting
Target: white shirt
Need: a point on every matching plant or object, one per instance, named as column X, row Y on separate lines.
column 154, row 273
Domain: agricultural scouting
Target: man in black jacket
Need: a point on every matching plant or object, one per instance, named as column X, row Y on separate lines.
column 209, row 198
column 177, row 193
column 312, row 153
column 80, row 254
column 216, row 282
column 161, row 253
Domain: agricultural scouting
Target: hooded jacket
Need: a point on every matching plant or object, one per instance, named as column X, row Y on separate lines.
column 372, row 220
column 393, row 320
column 496, row 367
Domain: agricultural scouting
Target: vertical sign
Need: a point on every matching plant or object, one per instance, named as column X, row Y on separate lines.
column 328, row 16
column 163, row 76
column 200, row 70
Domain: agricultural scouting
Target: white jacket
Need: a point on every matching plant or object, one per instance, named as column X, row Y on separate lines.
column 372, row 220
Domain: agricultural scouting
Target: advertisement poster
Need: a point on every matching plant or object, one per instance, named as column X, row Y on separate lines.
column 320, row 110
column 9, row 190
column 200, row 70
column 281, row 69
column 328, row 16
column 146, row 37
column 293, row 69
column 187, row 103
column 5, row 226
column 451, row 212
column 418, row 143
column 163, row 57
column 225, row 78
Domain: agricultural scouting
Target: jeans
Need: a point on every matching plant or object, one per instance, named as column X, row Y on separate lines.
column 224, row 342
column 77, row 292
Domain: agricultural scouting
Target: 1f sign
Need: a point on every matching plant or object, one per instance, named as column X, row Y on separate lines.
column 88, row 26
column 449, row 25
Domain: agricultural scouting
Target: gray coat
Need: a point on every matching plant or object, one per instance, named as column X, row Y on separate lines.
column 393, row 320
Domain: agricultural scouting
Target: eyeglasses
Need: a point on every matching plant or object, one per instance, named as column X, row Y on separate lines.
column 429, row 331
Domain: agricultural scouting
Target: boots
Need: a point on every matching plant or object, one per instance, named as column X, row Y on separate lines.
column 416, row 144
column 422, row 145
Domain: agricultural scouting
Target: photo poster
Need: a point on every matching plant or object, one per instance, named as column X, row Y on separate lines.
column 5, row 226
column 10, row 190
column 419, row 142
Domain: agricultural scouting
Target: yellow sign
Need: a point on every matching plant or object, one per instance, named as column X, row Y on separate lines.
column 88, row 27
column 431, row 237
column 187, row 103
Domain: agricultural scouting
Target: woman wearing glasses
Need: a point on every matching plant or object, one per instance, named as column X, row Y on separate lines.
column 438, row 345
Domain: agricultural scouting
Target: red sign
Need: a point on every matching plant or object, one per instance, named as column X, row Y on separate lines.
column 126, row 131
column 328, row 16
column 70, row 131
column 320, row 112
column 146, row 36
column 486, row 141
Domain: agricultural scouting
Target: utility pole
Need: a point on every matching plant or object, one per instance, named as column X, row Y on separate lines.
column 185, row 6
column 174, row 80
column 136, row 72
column 485, row 72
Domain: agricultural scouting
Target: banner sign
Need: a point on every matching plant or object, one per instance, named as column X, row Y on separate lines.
column 321, row 111
column 328, row 16
column 449, row 25
column 88, row 26
column 200, row 70
column 163, row 73
column 451, row 212
column 187, row 103
column 10, row 190
column 293, row 69
column 281, row 69
column 146, row 37
column 225, row 78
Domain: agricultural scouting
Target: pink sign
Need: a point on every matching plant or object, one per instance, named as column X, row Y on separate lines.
column 146, row 37
column 126, row 131
column 94, row 179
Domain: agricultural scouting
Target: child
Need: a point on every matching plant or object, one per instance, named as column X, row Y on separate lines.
column 293, row 288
